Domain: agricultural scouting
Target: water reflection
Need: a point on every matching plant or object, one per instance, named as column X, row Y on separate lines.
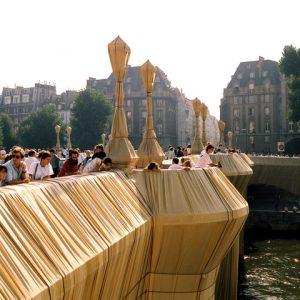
column 273, row 272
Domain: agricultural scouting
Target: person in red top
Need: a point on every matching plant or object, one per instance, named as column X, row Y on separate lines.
column 70, row 166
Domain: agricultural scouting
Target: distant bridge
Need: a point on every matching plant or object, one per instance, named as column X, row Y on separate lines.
column 279, row 172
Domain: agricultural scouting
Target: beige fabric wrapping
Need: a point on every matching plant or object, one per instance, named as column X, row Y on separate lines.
column 247, row 159
column 149, row 149
column 106, row 236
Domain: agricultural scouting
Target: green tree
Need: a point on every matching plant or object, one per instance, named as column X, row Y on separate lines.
column 9, row 137
column 37, row 130
column 290, row 66
column 91, row 116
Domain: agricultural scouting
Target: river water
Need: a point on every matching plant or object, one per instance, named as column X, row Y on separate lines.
column 272, row 272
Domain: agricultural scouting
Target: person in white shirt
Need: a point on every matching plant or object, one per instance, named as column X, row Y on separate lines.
column 170, row 153
column 42, row 169
column 31, row 158
column 175, row 164
column 204, row 160
column 95, row 163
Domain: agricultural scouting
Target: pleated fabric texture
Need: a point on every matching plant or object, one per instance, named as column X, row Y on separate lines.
column 239, row 173
column 247, row 159
column 152, row 235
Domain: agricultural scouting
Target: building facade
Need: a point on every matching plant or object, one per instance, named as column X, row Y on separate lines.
column 19, row 102
column 254, row 107
column 172, row 111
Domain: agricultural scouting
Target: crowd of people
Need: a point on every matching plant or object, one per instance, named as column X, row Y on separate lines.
column 23, row 165
column 181, row 160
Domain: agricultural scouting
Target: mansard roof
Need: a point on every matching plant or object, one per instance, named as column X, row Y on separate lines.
column 257, row 67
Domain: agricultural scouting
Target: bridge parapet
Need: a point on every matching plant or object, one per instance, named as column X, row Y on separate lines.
column 281, row 172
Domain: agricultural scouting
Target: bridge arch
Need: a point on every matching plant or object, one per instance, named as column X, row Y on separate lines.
column 293, row 146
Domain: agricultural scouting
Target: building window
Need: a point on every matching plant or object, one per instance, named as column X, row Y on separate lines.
column 7, row 100
column 128, row 80
column 252, row 99
column 252, row 75
column 144, row 102
column 159, row 114
column 144, row 114
column 291, row 127
column 267, row 86
column 251, row 111
column 249, row 66
column 236, row 112
column 235, row 100
column 128, row 114
column 267, row 126
column 265, row 73
column 159, row 129
column 267, row 139
column 128, row 102
column 267, row 98
column 16, row 99
column 267, row 111
column 240, row 76
column 25, row 98
column 129, row 129
column 251, row 88
column 159, row 102
column 236, row 126
column 251, row 127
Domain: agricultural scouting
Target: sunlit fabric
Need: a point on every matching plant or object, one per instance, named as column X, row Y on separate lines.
column 159, row 235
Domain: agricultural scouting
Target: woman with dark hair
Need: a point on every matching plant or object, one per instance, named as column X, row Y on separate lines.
column 96, row 162
column 42, row 169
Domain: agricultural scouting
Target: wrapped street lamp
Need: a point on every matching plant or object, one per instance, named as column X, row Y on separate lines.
column 230, row 137
column 57, row 131
column 149, row 149
column 197, row 146
column 204, row 110
column 120, row 150
column 221, row 125
column 103, row 137
column 69, row 130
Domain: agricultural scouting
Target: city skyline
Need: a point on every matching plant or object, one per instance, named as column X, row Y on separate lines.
column 198, row 45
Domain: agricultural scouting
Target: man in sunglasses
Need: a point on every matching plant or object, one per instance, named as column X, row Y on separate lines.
column 16, row 168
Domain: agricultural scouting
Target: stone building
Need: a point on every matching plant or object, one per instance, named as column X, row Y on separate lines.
column 173, row 113
column 254, row 107
column 19, row 102
column 64, row 104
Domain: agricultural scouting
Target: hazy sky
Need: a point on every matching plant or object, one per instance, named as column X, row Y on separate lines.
column 198, row 44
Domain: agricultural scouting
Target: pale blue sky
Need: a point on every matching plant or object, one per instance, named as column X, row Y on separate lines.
column 198, row 44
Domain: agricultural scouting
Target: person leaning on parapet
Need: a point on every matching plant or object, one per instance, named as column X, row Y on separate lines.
column 153, row 166
column 204, row 160
column 54, row 162
column 175, row 164
column 16, row 168
column 106, row 164
column 31, row 158
column 170, row 153
column 99, row 149
column 95, row 164
column 42, row 169
column 3, row 172
column 70, row 166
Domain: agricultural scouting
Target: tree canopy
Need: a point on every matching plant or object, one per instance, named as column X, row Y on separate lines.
column 37, row 130
column 8, row 135
column 290, row 66
column 91, row 116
